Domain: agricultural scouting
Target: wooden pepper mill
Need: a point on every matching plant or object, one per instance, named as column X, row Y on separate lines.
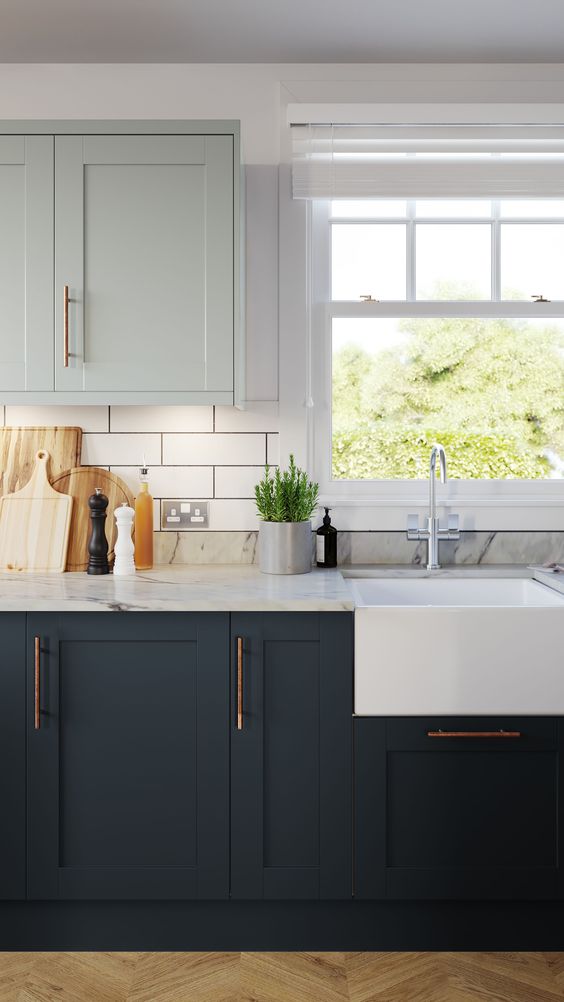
column 98, row 544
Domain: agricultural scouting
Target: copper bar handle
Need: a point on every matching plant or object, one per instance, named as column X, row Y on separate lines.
column 37, row 679
column 239, row 683
column 66, row 326
column 474, row 734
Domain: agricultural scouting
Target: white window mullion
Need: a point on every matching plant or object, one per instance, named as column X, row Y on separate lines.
column 496, row 252
column 410, row 251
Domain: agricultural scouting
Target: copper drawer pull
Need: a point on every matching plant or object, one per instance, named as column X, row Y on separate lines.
column 65, row 326
column 474, row 734
column 37, row 679
column 239, row 683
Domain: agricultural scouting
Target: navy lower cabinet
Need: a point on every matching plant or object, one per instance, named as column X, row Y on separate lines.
column 12, row 757
column 291, row 756
column 128, row 756
column 458, row 808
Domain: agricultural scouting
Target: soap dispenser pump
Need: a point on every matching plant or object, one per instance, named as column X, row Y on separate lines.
column 326, row 542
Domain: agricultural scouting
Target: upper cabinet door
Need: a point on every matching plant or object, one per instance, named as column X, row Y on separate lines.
column 26, row 263
column 144, row 239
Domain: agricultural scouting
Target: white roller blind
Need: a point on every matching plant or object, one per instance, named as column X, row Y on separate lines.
column 427, row 161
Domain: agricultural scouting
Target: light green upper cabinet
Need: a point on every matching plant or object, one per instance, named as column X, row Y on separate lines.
column 26, row 263
column 143, row 288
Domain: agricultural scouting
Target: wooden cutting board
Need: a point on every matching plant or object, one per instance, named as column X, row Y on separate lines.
column 35, row 524
column 19, row 447
column 80, row 483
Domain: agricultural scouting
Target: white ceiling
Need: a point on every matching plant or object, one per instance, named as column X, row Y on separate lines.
column 288, row 31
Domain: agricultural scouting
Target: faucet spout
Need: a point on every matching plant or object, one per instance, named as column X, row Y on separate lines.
column 433, row 533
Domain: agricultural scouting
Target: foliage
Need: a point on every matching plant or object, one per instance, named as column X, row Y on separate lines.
column 287, row 497
column 490, row 390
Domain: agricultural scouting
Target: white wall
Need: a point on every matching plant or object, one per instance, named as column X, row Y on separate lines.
column 255, row 93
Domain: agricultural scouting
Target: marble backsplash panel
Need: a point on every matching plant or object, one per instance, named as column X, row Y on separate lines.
column 369, row 548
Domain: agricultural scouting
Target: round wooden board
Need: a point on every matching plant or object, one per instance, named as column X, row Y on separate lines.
column 81, row 482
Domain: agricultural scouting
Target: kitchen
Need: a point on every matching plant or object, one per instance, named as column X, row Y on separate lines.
column 269, row 776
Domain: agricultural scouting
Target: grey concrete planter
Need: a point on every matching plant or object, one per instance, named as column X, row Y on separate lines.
column 285, row 547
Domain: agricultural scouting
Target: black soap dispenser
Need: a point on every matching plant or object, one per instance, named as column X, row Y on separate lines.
column 326, row 543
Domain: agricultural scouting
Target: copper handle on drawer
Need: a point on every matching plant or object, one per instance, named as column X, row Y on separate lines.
column 37, row 679
column 239, row 683
column 474, row 734
column 65, row 326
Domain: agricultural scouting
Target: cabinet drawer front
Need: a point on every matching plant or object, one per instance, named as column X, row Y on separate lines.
column 510, row 734
column 457, row 817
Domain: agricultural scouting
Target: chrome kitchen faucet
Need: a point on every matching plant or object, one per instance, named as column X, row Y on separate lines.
column 433, row 533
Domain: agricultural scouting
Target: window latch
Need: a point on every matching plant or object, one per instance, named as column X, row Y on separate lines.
column 540, row 299
column 369, row 299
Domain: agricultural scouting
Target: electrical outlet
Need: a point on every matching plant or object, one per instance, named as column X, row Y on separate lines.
column 179, row 515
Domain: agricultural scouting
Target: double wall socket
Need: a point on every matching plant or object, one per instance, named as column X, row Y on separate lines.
column 185, row 515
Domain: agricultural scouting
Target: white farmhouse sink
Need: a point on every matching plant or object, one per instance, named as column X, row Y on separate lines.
column 454, row 592
column 455, row 645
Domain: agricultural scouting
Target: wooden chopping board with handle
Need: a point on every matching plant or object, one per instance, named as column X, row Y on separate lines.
column 80, row 483
column 19, row 447
column 35, row 524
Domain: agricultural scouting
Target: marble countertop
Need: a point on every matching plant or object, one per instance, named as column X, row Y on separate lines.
column 227, row 588
column 177, row 588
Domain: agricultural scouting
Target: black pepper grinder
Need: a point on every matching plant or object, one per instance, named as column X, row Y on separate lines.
column 98, row 544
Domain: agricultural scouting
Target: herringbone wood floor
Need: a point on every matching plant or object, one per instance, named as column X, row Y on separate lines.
column 281, row 977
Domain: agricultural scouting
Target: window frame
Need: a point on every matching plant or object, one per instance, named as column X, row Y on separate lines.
column 482, row 504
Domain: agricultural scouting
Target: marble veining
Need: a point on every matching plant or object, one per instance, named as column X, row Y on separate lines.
column 177, row 589
column 369, row 548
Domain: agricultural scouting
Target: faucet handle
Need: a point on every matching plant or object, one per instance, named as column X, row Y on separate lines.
column 453, row 525
column 413, row 526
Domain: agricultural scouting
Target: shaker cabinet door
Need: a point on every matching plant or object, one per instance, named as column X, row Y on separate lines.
column 26, row 263
column 291, row 755
column 144, row 245
column 12, row 757
column 128, row 756
column 458, row 808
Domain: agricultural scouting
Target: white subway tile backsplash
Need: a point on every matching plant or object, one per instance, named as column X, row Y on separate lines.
column 216, row 450
column 161, row 419
column 90, row 419
column 258, row 417
column 237, row 481
column 121, row 450
column 171, row 481
column 273, row 450
column 237, row 516
column 194, row 453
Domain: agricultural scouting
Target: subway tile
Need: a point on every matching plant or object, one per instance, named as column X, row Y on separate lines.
column 171, row 481
column 90, row 419
column 216, row 450
column 234, row 515
column 273, row 450
column 237, row 481
column 159, row 419
column 258, row 417
column 121, row 450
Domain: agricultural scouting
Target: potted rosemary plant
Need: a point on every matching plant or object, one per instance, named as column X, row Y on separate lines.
column 285, row 504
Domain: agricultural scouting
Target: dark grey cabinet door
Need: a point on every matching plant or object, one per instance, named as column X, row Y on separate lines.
column 129, row 770
column 462, row 817
column 291, row 756
column 12, row 757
